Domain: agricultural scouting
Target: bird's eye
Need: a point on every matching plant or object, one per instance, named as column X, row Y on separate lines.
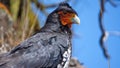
column 65, row 12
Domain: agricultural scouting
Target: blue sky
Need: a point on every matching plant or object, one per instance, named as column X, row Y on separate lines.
column 86, row 37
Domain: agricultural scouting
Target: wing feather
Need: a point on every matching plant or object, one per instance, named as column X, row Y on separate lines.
column 40, row 50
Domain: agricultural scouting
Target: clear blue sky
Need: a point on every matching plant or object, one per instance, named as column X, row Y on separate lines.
column 86, row 37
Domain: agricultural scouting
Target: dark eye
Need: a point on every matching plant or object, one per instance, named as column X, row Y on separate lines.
column 65, row 12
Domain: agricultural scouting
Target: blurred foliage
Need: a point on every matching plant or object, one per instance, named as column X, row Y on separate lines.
column 14, row 8
column 17, row 22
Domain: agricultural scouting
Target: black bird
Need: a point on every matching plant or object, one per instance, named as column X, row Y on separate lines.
column 50, row 47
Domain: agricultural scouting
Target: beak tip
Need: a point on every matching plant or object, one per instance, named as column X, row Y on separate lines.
column 76, row 19
column 79, row 21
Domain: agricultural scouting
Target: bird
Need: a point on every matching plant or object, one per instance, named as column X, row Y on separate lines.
column 48, row 48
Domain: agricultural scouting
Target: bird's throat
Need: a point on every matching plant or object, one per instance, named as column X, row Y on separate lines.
column 66, row 22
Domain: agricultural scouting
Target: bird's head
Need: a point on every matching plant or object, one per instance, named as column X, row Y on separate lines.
column 64, row 15
column 67, row 15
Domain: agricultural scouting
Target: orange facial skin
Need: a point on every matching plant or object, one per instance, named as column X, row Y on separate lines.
column 66, row 18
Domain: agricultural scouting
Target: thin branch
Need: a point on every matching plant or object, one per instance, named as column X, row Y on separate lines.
column 103, row 36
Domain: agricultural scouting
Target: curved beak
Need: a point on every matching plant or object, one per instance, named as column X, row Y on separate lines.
column 76, row 20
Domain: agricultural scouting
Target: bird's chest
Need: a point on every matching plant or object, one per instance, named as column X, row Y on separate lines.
column 66, row 58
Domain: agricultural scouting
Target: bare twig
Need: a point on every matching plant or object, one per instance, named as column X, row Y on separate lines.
column 103, row 36
column 105, row 33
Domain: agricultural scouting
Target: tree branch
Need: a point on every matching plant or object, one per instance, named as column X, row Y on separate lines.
column 103, row 36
